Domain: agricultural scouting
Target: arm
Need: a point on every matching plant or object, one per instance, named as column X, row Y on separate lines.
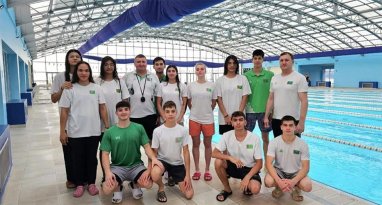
column 109, row 176
column 159, row 107
column 220, row 155
column 213, row 104
column 186, row 156
column 255, row 169
column 103, row 114
column 305, row 164
column 152, row 156
column 272, row 171
column 303, row 96
column 222, row 109
column 243, row 102
column 189, row 104
column 268, row 109
column 63, row 120
column 182, row 109
column 55, row 97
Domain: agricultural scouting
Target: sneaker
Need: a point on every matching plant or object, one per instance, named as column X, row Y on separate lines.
column 93, row 190
column 79, row 191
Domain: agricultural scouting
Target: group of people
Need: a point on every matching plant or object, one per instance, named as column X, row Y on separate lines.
column 146, row 110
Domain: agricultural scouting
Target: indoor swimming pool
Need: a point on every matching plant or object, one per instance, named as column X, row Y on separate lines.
column 344, row 134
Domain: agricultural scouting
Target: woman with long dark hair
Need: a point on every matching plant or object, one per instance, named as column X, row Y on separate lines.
column 63, row 81
column 81, row 108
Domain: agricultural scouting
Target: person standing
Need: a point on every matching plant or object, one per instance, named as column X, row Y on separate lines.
column 159, row 64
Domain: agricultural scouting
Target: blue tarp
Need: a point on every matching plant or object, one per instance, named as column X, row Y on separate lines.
column 155, row 13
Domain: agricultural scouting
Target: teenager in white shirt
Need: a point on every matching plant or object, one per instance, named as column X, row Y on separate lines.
column 232, row 90
column 81, row 108
column 201, row 93
column 113, row 90
column 60, row 82
column 238, row 155
column 169, row 141
column 171, row 89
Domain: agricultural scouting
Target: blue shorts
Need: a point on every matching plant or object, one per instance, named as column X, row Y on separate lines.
column 259, row 117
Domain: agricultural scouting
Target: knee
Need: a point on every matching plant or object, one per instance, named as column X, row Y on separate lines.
column 147, row 184
column 195, row 142
column 305, row 184
column 207, row 144
column 255, row 187
column 269, row 181
column 107, row 189
column 218, row 164
column 156, row 173
column 189, row 194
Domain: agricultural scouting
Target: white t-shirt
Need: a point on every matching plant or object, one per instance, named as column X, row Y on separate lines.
column 170, row 142
column 58, row 80
column 136, row 85
column 231, row 90
column 201, row 96
column 285, row 91
column 114, row 92
column 84, row 117
column 170, row 92
column 247, row 150
column 288, row 156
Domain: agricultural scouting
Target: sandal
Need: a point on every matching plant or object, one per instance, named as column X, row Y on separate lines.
column 137, row 192
column 161, row 197
column 247, row 192
column 277, row 193
column 224, row 194
column 196, row 176
column 117, row 197
column 207, row 176
column 93, row 190
column 296, row 195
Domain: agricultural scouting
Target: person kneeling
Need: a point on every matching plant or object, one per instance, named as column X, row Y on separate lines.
column 290, row 155
column 243, row 161
column 123, row 142
column 169, row 140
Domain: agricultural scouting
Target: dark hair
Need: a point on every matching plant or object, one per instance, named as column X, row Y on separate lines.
column 238, row 114
column 67, row 65
column 103, row 62
column 176, row 77
column 169, row 104
column 289, row 118
column 140, row 56
column 158, row 59
column 75, row 75
column 234, row 58
column 287, row 53
column 122, row 103
column 258, row 52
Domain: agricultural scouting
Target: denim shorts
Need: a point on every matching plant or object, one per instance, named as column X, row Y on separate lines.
column 259, row 117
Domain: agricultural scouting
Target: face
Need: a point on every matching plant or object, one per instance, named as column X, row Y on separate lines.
column 286, row 62
column 140, row 64
column 74, row 58
column 257, row 61
column 288, row 127
column 83, row 73
column 170, row 114
column 200, row 71
column 171, row 73
column 238, row 123
column 109, row 67
column 231, row 66
column 123, row 113
column 159, row 66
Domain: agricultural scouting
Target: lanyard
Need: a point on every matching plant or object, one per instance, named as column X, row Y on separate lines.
column 139, row 83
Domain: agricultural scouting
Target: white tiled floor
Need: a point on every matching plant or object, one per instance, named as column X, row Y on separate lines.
column 38, row 173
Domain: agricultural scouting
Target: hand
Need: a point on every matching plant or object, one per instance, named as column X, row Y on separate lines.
column 158, row 163
column 187, row 182
column 244, row 183
column 291, row 184
column 283, row 185
column 64, row 138
column 110, row 179
column 145, row 177
column 300, row 127
column 227, row 120
column 237, row 162
column 266, row 122
column 66, row 85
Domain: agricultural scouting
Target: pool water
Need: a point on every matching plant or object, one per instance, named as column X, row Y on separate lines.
column 348, row 115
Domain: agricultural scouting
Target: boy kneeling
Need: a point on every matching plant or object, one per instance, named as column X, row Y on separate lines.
column 290, row 155
column 242, row 161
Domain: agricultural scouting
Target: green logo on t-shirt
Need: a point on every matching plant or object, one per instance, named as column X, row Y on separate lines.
column 240, row 87
column 118, row 90
column 209, row 90
column 92, row 91
column 249, row 146
column 265, row 80
column 178, row 139
column 290, row 82
column 296, row 151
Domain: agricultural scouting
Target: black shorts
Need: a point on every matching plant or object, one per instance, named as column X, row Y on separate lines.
column 177, row 172
column 240, row 173
column 148, row 122
column 225, row 128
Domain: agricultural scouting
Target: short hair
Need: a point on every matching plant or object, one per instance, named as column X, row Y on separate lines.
column 258, row 52
column 287, row 53
column 238, row 114
column 234, row 58
column 140, row 56
column 169, row 104
column 289, row 118
column 122, row 103
column 159, row 59
column 202, row 64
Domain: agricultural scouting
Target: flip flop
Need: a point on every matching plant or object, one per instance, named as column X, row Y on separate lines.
column 196, row 176
column 296, row 195
column 207, row 176
column 225, row 195
column 137, row 192
column 161, row 197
